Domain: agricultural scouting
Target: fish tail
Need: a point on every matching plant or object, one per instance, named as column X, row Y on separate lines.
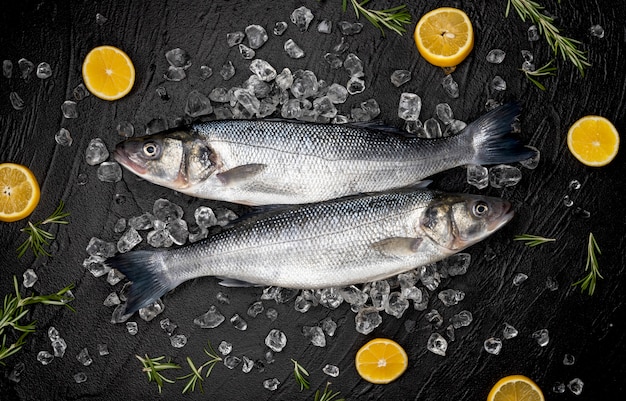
column 147, row 271
column 492, row 139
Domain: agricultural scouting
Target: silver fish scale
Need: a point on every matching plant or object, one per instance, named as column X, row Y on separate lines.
column 318, row 161
column 314, row 246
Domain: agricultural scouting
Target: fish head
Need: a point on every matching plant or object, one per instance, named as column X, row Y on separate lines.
column 455, row 222
column 175, row 159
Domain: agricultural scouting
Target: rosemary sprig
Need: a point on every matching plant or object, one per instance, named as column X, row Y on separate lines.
column 153, row 367
column 533, row 240
column 589, row 281
column 195, row 377
column 38, row 238
column 327, row 395
column 14, row 309
column 392, row 18
column 546, row 70
column 299, row 373
column 566, row 47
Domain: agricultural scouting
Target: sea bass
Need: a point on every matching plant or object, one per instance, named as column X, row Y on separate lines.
column 288, row 162
column 329, row 244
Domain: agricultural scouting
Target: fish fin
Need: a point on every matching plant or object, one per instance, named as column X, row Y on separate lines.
column 232, row 282
column 491, row 137
column 240, row 173
column 146, row 271
column 398, row 246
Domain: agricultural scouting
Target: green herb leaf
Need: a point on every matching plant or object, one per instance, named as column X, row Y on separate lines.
column 153, row 367
column 533, row 240
column 327, row 395
column 393, row 18
column 299, row 373
column 38, row 238
column 589, row 281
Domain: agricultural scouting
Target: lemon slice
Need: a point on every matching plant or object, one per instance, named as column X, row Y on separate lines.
column 517, row 388
column 19, row 192
column 381, row 361
column 593, row 140
column 108, row 73
column 444, row 36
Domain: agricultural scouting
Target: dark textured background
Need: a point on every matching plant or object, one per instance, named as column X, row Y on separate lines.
column 590, row 328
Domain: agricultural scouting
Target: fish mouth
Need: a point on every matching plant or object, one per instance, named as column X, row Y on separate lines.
column 122, row 158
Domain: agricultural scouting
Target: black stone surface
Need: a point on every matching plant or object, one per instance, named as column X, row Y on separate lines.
column 590, row 328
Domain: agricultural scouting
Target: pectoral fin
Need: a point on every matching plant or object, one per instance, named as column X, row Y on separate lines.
column 240, row 173
column 398, row 246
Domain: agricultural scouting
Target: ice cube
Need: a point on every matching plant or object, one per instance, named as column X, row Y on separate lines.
column 551, row 284
column 257, row 36
column 504, row 175
column 461, row 319
column 162, row 92
column 409, row 107
column 16, row 372
column 225, row 348
column 53, row 334
column 371, row 107
column 444, row 113
column 271, row 314
column 558, row 387
column 498, row 83
column 493, row 345
column 533, row 162
column 26, row 67
column 206, row 72
column 129, row 240
column 450, row 86
column 16, row 101
column 80, row 377
column 330, row 298
column 238, row 322
column 100, row 248
column 178, row 58
column 234, row 38
column 44, row 70
column 175, row 74
column 177, row 231
column 542, row 337
column 248, row 364
column 331, row 370
column 355, row 85
column 568, row 359
column 246, row 52
column 59, row 346
column 151, row 311
column 100, row 19
column 80, row 92
column 227, row 71
column 63, row 137
column 353, row 295
column 231, row 362
column 519, row 279
column 168, row 326
column 69, row 110
column 30, row 278
column 84, row 358
column 437, row 344
column 166, row 211
column 197, row 104
column 353, row 65
column 271, row 384
column 178, row 340
column 255, row 309
column 575, row 386
column 329, row 326
column 276, row 340
column 435, row 318
column 337, row 93
column 496, row 56
column 131, row 327
column 457, row 264
column 325, row 107
column 279, row 28
column 325, row 26
column 109, row 172
column 400, row 77
column 304, row 84
column 302, row 17
column 263, row 70
column 44, row 357
column 118, row 315
column 527, row 66
column 349, row 28
column 112, row 299
column 103, row 349
column 477, row 176
column 315, row 334
column 333, row 60
column 7, row 68
column 395, row 304
column 222, row 298
column 533, row 33
column 209, row 320
column 451, row 297
column 293, row 50
column 96, row 152
column 597, row 31
column 302, row 305
column 367, row 319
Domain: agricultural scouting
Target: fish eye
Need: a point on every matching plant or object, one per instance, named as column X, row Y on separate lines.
column 480, row 209
column 150, row 149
